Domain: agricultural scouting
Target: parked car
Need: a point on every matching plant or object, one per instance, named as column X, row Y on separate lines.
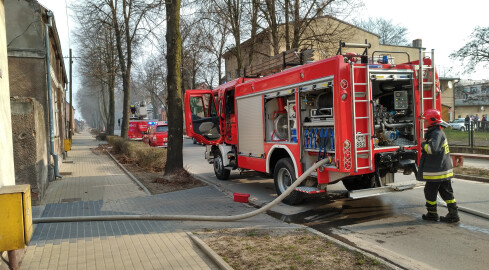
column 459, row 124
column 158, row 135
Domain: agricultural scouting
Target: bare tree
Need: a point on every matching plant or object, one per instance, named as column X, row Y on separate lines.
column 175, row 111
column 389, row 32
column 98, row 59
column 130, row 21
column 233, row 11
column 151, row 80
column 127, row 21
column 476, row 51
column 215, row 30
column 89, row 103
column 255, row 6
column 269, row 12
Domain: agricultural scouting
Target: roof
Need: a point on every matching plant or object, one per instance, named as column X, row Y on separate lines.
column 449, row 78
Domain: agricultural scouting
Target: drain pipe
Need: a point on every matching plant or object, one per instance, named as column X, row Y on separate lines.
column 50, row 94
column 187, row 217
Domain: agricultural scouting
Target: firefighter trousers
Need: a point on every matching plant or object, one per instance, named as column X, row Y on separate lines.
column 431, row 190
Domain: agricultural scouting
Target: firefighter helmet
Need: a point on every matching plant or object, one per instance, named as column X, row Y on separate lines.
column 433, row 117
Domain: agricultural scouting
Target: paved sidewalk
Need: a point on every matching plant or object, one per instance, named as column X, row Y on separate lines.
column 88, row 176
column 98, row 187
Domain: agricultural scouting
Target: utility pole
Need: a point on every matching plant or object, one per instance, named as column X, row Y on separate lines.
column 71, row 99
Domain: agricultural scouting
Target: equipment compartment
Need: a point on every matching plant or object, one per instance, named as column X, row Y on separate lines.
column 317, row 118
column 280, row 117
column 393, row 110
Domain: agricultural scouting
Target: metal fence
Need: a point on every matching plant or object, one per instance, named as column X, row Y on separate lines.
column 474, row 136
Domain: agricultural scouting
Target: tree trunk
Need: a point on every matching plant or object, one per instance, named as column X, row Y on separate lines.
column 234, row 11
column 219, row 70
column 175, row 112
column 124, row 71
column 272, row 23
column 287, row 27
column 297, row 25
column 254, row 29
column 111, row 122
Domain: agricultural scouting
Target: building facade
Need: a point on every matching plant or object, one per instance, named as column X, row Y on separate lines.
column 471, row 98
column 7, row 177
column 447, row 85
column 28, row 47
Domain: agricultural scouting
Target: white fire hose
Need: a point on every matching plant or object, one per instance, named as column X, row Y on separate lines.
column 187, row 217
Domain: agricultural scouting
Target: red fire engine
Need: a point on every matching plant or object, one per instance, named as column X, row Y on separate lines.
column 138, row 123
column 138, row 128
column 361, row 115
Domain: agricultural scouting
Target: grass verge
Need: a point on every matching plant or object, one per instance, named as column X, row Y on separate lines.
column 283, row 249
column 471, row 171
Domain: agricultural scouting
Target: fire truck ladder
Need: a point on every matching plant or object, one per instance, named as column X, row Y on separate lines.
column 424, row 71
column 361, row 138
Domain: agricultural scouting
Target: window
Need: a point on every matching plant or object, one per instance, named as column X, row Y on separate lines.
column 203, row 106
column 162, row 128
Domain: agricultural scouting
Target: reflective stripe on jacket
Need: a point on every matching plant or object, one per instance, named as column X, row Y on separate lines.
column 435, row 163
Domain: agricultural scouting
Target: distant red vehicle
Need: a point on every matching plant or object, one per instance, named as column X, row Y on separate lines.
column 137, row 128
column 158, row 135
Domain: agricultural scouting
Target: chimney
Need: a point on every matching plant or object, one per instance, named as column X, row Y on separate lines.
column 418, row 43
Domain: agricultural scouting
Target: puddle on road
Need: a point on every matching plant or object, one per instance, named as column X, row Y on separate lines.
column 343, row 212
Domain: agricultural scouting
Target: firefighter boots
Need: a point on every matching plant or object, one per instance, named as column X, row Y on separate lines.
column 432, row 214
column 452, row 216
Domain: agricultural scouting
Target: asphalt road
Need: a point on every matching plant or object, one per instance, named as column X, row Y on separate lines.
column 389, row 225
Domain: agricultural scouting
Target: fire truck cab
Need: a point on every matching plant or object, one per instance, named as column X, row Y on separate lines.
column 361, row 113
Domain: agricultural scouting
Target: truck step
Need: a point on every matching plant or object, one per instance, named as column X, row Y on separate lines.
column 310, row 190
column 371, row 192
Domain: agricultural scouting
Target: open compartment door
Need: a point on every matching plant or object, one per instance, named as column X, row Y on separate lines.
column 201, row 119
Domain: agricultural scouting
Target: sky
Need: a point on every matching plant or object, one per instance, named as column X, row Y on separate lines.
column 443, row 25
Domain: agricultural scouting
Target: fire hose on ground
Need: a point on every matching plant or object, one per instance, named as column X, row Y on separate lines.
column 187, row 217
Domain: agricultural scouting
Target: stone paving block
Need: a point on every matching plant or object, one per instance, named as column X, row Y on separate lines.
column 98, row 187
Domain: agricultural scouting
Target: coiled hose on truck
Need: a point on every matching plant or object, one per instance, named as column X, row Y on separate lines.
column 187, row 217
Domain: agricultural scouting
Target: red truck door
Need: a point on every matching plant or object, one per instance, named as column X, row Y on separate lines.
column 201, row 118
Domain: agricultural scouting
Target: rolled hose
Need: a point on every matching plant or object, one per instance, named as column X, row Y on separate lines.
column 187, row 217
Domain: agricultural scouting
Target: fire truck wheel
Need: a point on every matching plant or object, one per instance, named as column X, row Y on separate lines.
column 283, row 177
column 359, row 182
column 219, row 170
column 194, row 141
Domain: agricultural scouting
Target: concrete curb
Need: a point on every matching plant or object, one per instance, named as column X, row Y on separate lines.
column 133, row 178
column 471, row 177
column 223, row 265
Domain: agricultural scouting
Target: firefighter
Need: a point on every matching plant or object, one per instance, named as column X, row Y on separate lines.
column 435, row 167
